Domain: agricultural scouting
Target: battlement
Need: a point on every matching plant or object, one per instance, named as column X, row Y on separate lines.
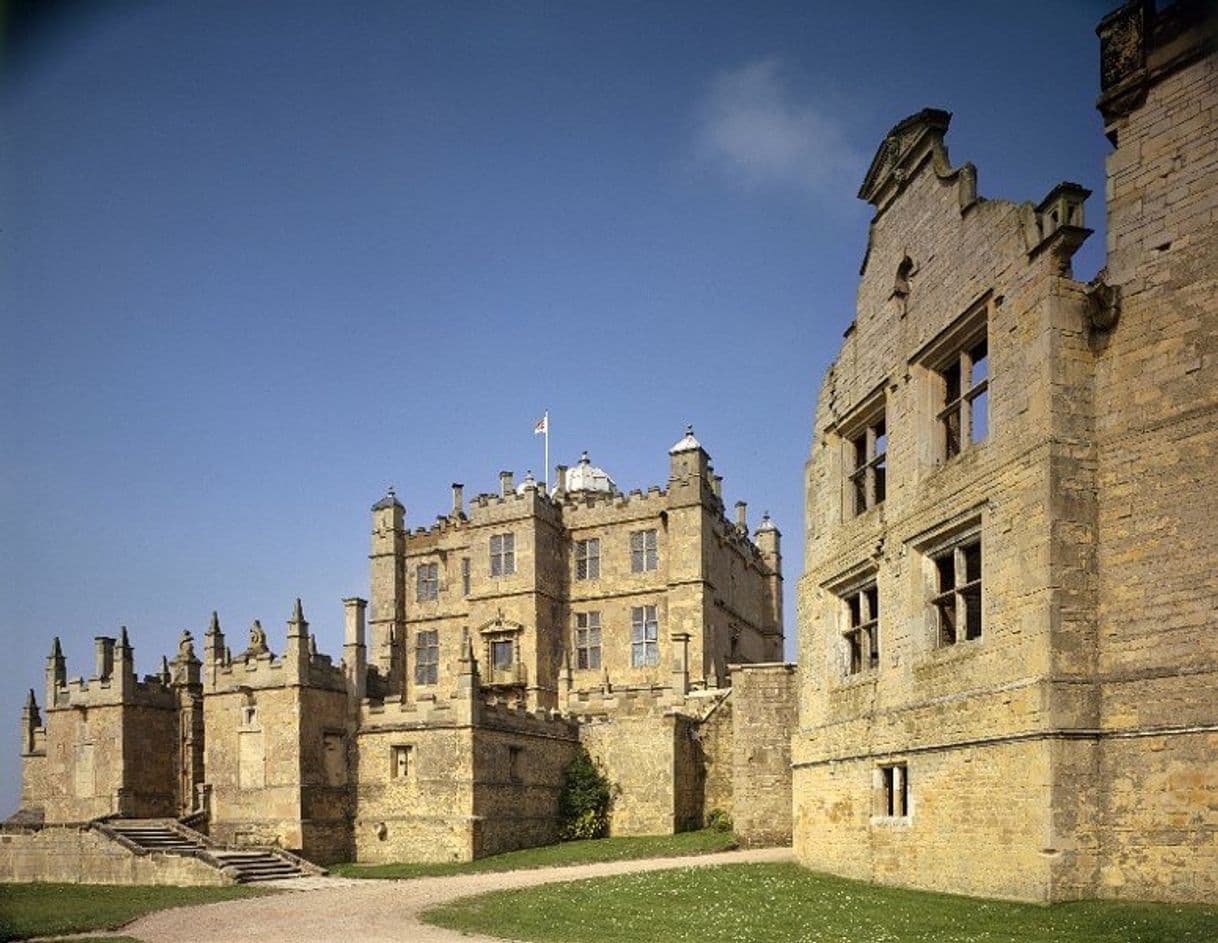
column 113, row 683
column 626, row 701
column 257, row 666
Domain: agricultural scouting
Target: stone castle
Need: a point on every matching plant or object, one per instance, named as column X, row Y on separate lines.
column 1007, row 647
column 498, row 640
column 1007, row 662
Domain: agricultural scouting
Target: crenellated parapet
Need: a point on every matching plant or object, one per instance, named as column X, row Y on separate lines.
column 113, row 682
column 259, row 667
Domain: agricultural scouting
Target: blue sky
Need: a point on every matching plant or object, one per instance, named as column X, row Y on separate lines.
column 261, row 260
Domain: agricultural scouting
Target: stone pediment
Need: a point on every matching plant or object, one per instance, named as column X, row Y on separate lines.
column 904, row 149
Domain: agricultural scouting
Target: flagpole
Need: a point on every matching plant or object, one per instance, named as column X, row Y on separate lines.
column 545, row 478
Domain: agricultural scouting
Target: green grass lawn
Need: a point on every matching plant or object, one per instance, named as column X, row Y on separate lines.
column 782, row 903
column 49, row 909
column 703, row 842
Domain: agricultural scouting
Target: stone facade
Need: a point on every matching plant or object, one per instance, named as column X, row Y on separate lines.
column 496, row 643
column 1006, row 618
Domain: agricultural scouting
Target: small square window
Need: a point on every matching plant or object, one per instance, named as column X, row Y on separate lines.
column 400, row 764
column 502, row 654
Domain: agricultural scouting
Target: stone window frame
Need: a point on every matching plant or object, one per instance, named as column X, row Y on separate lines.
column 401, row 762
column 427, row 582
column 644, row 550
column 950, row 542
column 588, row 644
column 426, row 657
column 951, row 358
column 892, row 798
column 644, row 636
column 847, row 585
column 861, row 627
column 588, row 559
column 466, row 575
column 864, row 438
column 513, row 770
column 503, row 554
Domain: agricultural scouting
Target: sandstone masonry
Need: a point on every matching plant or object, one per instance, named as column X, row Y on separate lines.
column 1006, row 622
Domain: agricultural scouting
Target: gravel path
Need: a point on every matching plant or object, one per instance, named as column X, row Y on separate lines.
column 363, row 910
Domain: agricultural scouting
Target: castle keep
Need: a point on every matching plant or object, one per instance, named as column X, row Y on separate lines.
column 1006, row 620
column 498, row 640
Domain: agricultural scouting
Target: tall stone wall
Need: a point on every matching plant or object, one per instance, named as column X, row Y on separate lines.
column 518, row 774
column 764, row 712
column 716, row 735
column 1156, row 396
column 637, row 754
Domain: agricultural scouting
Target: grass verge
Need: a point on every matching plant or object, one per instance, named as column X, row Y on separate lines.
column 706, row 841
column 782, row 903
column 49, row 909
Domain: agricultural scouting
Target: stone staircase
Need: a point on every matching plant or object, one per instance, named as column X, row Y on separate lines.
column 168, row 836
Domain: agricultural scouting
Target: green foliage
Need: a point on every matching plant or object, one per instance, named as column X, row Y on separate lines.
column 555, row 856
column 719, row 820
column 783, row 903
column 583, row 804
column 47, row 909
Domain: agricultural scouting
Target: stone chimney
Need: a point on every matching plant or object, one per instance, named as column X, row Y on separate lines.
column 560, row 478
column 742, row 522
column 103, row 657
column 355, row 651
column 458, row 499
column 506, row 485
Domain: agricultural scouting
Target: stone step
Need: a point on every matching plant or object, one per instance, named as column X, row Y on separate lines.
column 246, row 865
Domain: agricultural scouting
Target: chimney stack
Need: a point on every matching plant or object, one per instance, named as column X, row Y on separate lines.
column 506, row 486
column 742, row 523
column 458, row 499
column 103, row 657
column 560, row 478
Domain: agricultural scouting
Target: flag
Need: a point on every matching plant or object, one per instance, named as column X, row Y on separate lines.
column 543, row 425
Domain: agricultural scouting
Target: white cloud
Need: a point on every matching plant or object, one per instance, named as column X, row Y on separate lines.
column 755, row 130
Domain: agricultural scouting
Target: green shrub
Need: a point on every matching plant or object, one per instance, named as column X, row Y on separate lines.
column 719, row 820
column 583, row 804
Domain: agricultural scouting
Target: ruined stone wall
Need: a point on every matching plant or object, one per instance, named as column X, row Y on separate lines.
column 763, row 713
column 975, row 269
column 73, row 855
column 1156, row 395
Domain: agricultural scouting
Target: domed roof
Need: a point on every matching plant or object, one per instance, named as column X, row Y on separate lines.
column 587, row 477
column 686, row 444
column 529, row 482
column 766, row 523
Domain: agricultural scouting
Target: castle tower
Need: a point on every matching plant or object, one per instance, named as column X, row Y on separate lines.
column 769, row 540
column 387, row 622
